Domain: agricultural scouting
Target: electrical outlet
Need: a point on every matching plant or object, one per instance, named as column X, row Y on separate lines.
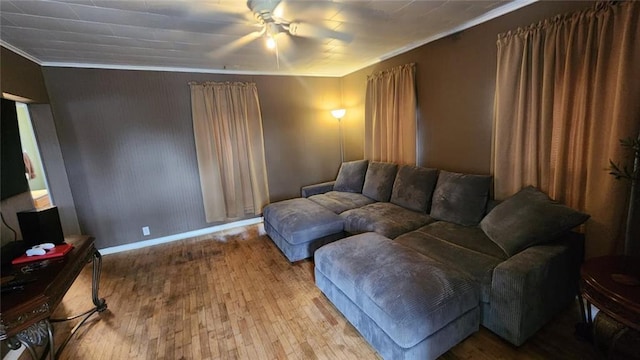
column 146, row 231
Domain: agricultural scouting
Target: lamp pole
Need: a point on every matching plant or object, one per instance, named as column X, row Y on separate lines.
column 341, row 141
column 339, row 114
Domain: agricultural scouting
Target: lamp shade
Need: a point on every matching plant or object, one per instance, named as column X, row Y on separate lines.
column 338, row 113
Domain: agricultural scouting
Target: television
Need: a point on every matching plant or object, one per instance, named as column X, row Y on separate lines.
column 12, row 175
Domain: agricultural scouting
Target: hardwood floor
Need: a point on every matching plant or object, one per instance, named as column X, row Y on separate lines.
column 233, row 295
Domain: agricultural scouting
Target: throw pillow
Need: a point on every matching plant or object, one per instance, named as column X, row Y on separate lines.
column 351, row 176
column 460, row 198
column 413, row 187
column 378, row 182
column 528, row 218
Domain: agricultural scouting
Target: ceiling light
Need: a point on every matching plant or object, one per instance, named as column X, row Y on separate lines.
column 270, row 31
column 270, row 42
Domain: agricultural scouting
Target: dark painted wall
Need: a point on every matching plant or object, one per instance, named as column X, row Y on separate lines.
column 21, row 77
column 127, row 142
column 57, row 179
column 455, row 87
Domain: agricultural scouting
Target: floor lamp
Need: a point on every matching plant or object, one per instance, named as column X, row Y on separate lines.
column 339, row 114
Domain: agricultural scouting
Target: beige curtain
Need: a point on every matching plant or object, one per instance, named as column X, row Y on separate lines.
column 390, row 116
column 567, row 90
column 227, row 127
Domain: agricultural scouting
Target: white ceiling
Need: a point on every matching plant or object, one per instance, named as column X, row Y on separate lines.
column 216, row 36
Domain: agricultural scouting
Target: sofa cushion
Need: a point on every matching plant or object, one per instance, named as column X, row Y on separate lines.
column 378, row 181
column 384, row 218
column 316, row 189
column 413, row 187
column 460, row 198
column 351, row 176
column 464, row 247
column 528, row 218
column 301, row 220
column 408, row 295
column 471, row 238
column 339, row 201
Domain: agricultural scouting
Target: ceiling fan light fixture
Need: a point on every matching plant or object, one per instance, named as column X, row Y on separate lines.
column 270, row 31
column 270, row 42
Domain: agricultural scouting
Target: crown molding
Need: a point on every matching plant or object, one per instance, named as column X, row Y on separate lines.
column 20, row 52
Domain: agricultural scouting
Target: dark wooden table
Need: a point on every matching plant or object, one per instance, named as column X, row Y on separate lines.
column 25, row 316
column 607, row 283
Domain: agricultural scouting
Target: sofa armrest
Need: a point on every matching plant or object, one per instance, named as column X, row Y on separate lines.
column 315, row 189
column 531, row 287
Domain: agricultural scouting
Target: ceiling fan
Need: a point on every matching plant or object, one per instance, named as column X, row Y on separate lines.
column 269, row 13
column 271, row 22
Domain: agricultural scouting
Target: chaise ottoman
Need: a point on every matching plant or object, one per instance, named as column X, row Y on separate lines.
column 300, row 226
column 406, row 305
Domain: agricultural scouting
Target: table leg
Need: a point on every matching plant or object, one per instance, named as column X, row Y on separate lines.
column 583, row 314
column 100, row 305
column 35, row 335
column 51, row 344
column 583, row 328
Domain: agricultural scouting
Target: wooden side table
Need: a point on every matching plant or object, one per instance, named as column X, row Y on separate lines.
column 611, row 284
column 598, row 287
column 25, row 317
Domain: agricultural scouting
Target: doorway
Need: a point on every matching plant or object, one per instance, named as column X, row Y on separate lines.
column 34, row 170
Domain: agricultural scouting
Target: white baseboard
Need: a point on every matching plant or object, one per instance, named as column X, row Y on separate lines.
column 170, row 238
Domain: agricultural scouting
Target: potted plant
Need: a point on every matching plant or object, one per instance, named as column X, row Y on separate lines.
column 632, row 174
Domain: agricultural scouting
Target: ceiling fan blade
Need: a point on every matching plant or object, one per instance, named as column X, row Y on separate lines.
column 278, row 11
column 236, row 44
column 315, row 31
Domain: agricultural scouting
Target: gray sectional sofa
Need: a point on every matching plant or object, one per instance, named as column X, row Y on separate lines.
column 417, row 258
